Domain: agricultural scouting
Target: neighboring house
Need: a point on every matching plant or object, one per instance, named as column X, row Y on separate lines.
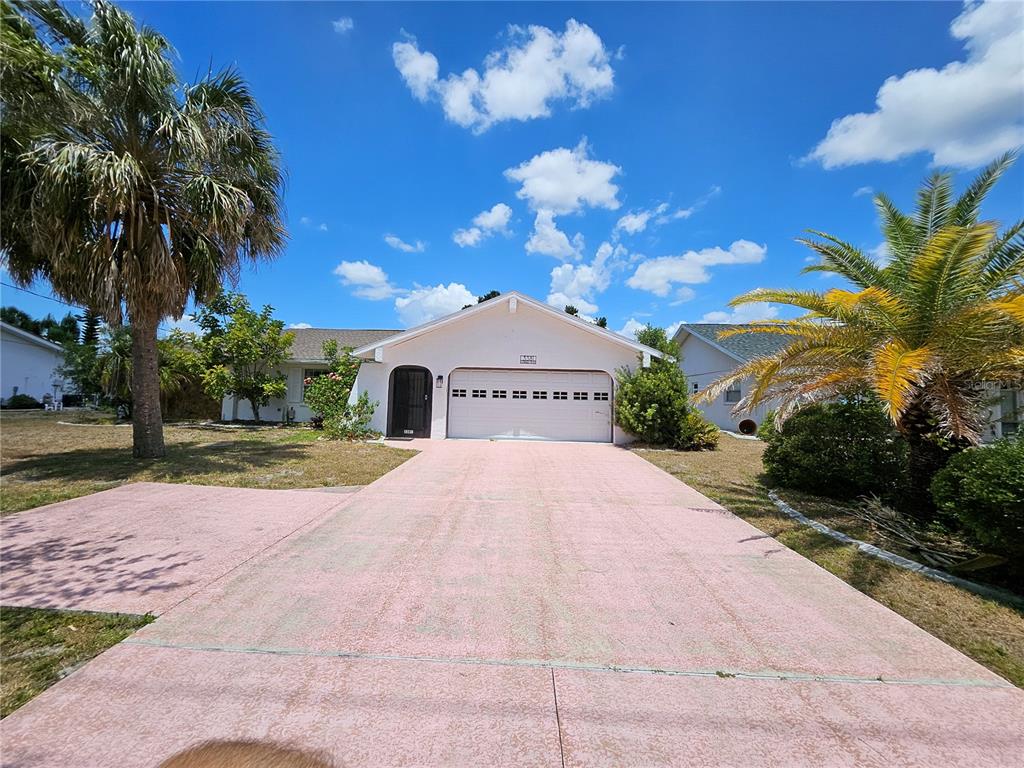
column 706, row 356
column 307, row 359
column 28, row 364
column 508, row 368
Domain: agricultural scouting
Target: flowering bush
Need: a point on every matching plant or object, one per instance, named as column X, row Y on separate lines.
column 327, row 396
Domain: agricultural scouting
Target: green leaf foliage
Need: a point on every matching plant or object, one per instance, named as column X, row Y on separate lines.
column 982, row 489
column 843, row 450
column 651, row 403
column 242, row 350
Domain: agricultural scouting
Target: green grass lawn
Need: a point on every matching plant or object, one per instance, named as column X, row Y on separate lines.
column 988, row 631
column 43, row 459
column 39, row 647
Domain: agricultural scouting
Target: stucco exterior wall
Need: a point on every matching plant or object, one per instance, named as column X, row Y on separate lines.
column 29, row 367
column 278, row 408
column 703, row 364
column 492, row 338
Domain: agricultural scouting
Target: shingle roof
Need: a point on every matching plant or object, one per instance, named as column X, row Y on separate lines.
column 308, row 343
column 744, row 345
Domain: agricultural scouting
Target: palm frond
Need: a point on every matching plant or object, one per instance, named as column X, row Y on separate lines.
column 899, row 371
column 933, row 205
column 965, row 211
column 843, row 259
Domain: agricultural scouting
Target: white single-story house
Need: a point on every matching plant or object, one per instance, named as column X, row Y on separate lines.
column 307, row 360
column 511, row 367
column 29, row 364
column 706, row 356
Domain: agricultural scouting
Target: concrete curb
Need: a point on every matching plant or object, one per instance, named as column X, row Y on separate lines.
column 993, row 593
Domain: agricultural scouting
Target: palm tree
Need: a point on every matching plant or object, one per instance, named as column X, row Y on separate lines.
column 920, row 332
column 129, row 191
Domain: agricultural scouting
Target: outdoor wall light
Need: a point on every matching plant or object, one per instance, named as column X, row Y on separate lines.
column 440, row 381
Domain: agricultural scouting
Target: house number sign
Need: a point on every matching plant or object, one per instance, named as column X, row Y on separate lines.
column 527, row 359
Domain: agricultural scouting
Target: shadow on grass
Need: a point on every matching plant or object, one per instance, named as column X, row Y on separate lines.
column 182, row 460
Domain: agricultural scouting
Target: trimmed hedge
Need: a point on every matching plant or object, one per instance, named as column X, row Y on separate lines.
column 16, row 402
column 982, row 489
column 842, row 450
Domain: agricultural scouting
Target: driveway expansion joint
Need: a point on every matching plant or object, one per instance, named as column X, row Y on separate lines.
column 555, row 664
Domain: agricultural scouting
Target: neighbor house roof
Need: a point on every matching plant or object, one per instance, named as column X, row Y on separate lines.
column 741, row 346
column 505, row 298
column 308, row 343
column 22, row 334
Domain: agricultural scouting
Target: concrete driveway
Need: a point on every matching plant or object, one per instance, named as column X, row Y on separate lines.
column 527, row 604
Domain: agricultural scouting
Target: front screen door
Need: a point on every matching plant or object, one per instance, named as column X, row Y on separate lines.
column 409, row 415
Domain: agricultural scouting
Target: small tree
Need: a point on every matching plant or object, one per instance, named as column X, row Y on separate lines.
column 242, row 350
column 570, row 309
column 601, row 322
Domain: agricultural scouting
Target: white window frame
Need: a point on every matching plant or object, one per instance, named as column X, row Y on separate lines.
column 733, row 393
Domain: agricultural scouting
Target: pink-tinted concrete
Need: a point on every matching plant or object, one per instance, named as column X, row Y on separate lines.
column 652, row 720
column 477, row 570
column 142, row 548
column 135, row 706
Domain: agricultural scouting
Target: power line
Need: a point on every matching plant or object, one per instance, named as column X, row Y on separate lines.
column 61, row 301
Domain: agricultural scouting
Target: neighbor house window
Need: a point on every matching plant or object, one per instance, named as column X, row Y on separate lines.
column 696, row 388
column 1009, row 413
column 579, row 395
column 540, row 395
column 600, row 395
column 501, row 394
column 458, row 393
column 308, row 375
column 518, row 394
column 559, row 395
column 732, row 394
column 479, row 393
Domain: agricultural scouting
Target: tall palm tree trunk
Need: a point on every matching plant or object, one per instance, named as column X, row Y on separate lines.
column 927, row 453
column 147, row 421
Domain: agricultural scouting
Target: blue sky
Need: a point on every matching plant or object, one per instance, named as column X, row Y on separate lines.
column 646, row 162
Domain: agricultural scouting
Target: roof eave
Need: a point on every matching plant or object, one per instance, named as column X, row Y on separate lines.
column 462, row 314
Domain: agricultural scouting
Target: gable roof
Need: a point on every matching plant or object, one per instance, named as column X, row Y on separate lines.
column 22, row 334
column 308, row 344
column 742, row 347
column 465, row 314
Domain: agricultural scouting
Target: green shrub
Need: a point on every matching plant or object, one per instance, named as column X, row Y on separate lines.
column 842, row 450
column 697, row 433
column 982, row 489
column 652, row 405
column 352, row 423
column 22, row 401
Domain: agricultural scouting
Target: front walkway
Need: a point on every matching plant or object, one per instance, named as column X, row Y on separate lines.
column 529, row 604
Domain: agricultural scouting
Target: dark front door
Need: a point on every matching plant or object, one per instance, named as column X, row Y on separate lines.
column 409, row 414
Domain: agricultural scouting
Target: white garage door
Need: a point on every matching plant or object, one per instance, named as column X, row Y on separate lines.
column 530, row 405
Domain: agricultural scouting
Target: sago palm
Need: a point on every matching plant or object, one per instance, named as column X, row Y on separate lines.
column 125, row 189
column 921, row 332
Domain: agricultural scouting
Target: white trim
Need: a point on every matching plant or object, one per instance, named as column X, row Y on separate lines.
column 28, row 336
column 511, row 296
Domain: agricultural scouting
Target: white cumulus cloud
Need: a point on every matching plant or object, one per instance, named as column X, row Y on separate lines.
column 400, row 245
column 485, row 224
column 549, row 240
column 660, row 275
column 425, row 303
column 517, row 82
column 630, row 328
column 745, row 313
column 368, row 280
column 299, row 326
column 635, row 222
column 343, row 25
column 963, row 114
column 565, row 180
column 580, row 284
